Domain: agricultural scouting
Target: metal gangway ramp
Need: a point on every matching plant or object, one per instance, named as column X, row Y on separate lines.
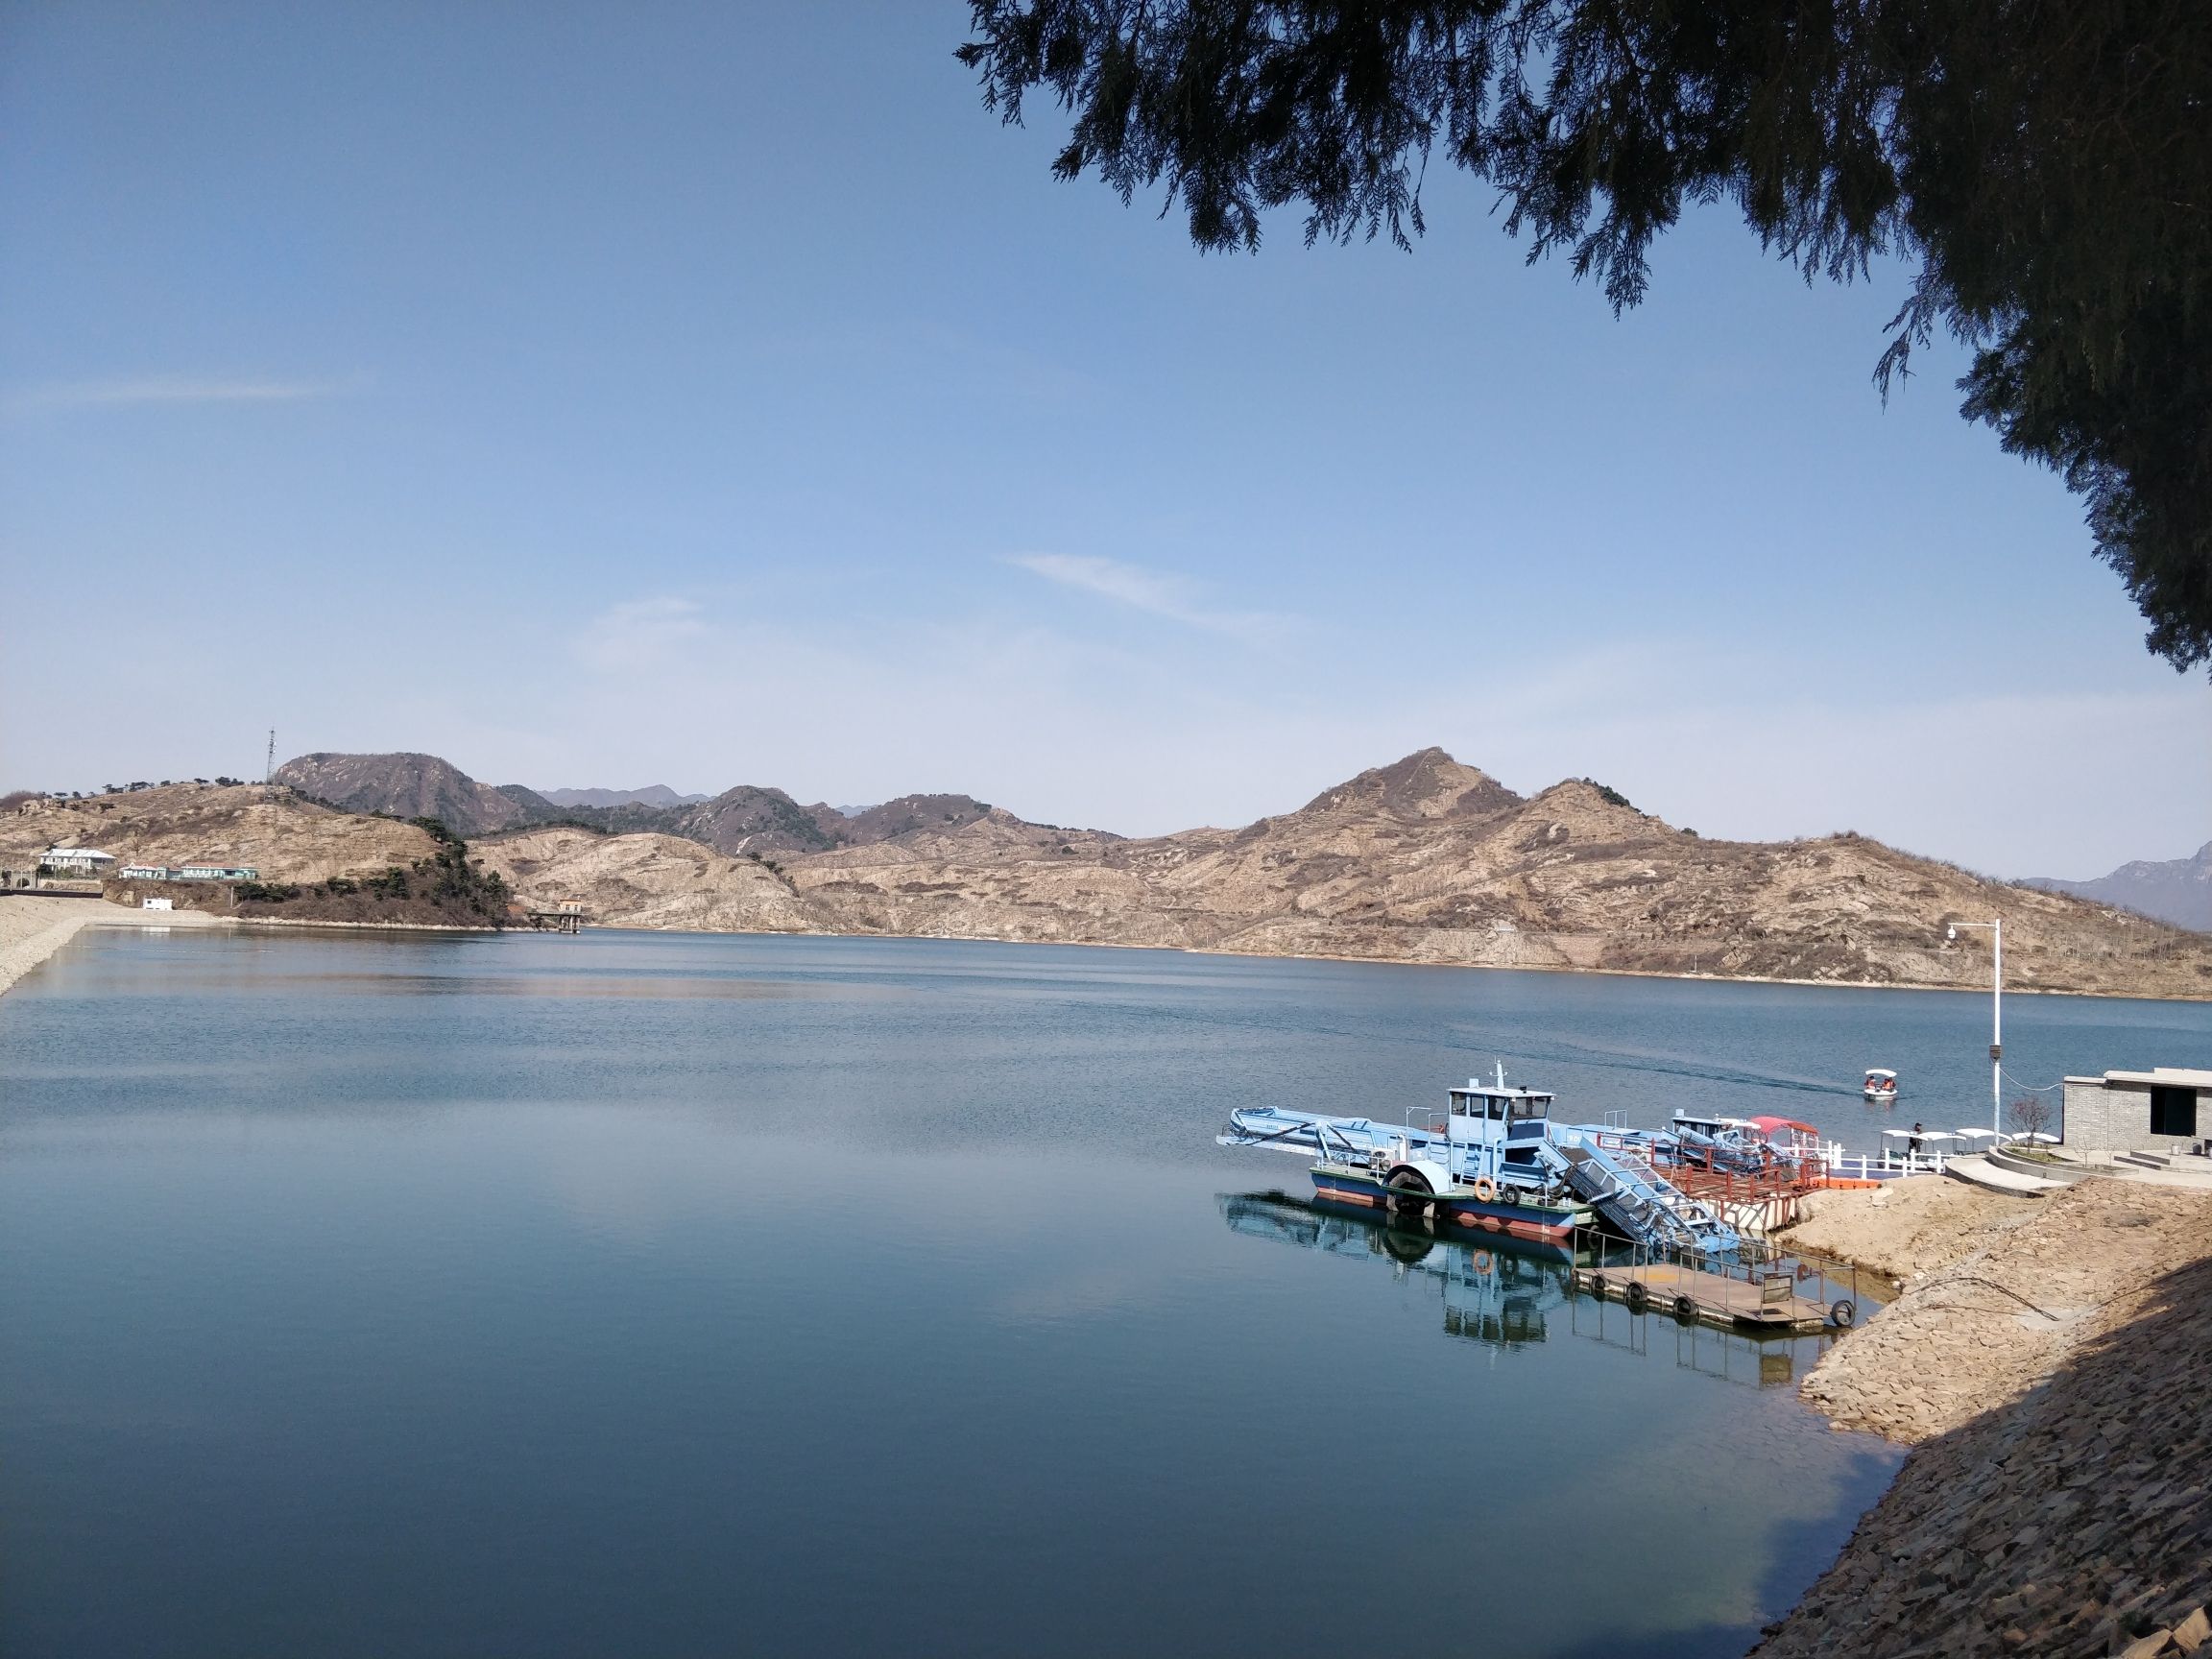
column 1638, row 1200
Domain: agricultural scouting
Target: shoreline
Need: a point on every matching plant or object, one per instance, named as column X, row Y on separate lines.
column 114, row 915
column 1915, row 985
column 2043, row 1365
column 363, row 927
column 33, row 929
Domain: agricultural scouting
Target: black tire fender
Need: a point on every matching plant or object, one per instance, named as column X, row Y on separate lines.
column 1411, row 1193
column 1843, row 1315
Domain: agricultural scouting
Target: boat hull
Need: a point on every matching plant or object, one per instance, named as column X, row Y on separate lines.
column 1536, row 1223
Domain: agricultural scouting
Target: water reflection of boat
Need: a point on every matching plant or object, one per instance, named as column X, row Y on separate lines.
column 1496, row 1294
column 1509, row 1294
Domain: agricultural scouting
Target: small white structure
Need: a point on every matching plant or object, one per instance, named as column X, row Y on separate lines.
column 1917, row 1151
column 76, row 860
column 2167, row 1109
column 158, row 904
column 148, row 873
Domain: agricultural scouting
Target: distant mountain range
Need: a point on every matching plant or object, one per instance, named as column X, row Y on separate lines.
column 746, row 819
column 1422, row 860
column 652, row 795
column 2175, row 890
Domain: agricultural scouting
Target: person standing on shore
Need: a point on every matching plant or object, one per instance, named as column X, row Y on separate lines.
column 1912, row 1143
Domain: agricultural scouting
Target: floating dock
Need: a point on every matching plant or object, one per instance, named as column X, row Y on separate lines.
column 1692, row 1295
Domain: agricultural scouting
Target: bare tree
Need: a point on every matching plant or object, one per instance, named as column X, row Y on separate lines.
column 2032, row 1114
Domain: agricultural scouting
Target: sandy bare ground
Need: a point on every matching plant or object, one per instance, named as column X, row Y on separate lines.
column 1912, row 1226
column 1999, row 1291
column 33, row 929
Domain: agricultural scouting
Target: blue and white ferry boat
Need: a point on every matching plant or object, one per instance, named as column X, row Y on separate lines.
column 1491, row 1158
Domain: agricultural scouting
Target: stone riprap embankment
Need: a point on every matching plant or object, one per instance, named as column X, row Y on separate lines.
column 2050, row 1377
column 33, row 929
column 1909, row 1227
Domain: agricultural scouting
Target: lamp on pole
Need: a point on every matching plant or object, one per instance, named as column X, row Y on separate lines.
column 1996, row 1015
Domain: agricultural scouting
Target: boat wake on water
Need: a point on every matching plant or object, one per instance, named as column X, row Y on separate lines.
column 1659, row 1064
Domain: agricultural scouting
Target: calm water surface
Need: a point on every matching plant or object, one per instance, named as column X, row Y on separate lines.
column 675, row 1295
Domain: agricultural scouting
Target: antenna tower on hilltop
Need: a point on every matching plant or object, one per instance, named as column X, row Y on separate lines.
column 269, row 769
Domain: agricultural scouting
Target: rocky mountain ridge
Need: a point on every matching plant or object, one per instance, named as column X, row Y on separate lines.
column 2175, row 890
column 410, row 786
column 1427, row 860
column 651, row 795
column 746, row 819
column 1423, row 860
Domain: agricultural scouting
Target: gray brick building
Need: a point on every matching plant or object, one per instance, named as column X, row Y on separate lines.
column 2165, row 1110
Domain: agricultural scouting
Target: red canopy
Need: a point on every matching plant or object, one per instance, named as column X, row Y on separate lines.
column 1767, row 1125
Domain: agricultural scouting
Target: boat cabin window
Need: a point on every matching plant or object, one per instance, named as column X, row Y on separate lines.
column 1499, row 1107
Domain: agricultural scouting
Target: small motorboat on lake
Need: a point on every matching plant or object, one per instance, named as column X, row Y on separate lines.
column 1881, row 1085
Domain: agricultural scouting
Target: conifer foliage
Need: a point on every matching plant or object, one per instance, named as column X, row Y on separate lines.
column 2047, row 165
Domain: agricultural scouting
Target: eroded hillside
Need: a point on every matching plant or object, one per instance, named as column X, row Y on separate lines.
column 652, row 881
column 1427, row 860
column 284, row 837
column 412, row 785
column 1424, row 860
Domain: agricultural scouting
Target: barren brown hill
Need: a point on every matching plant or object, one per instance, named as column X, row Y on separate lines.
column 409, row 785
column 650, row 881
column 1424, row 860
column 1427, row 860
column 766, row 823
column 747, row 820
column 909, row 815
column 285, row 838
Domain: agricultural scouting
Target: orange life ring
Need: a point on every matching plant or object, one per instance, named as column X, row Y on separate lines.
column 1483, row 1262
column 1485, row 1189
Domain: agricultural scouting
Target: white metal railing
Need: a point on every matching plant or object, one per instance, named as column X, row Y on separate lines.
column 1890, row 1160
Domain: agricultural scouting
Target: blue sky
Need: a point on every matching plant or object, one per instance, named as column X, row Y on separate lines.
column 707, row 393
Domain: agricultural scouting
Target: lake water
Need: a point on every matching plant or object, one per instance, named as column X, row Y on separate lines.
column 652, row 1294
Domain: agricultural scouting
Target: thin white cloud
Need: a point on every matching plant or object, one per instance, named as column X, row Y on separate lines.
column 1160, row 593
column 641, row 634
column 158, row 389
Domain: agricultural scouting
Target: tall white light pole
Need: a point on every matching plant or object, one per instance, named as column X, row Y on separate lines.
column 1996, row 1015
